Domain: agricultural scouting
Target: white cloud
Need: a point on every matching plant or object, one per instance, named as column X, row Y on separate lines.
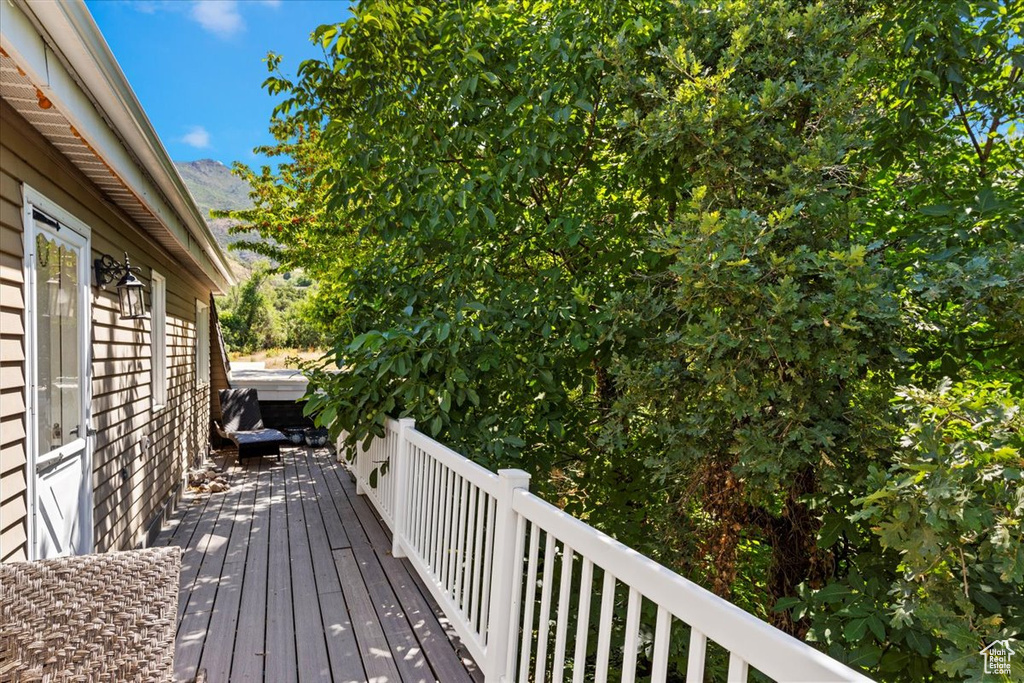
column 220, row 17
column 197, row 137
column 270, row 3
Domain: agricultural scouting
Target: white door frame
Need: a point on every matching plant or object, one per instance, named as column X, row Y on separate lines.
column 81, row 234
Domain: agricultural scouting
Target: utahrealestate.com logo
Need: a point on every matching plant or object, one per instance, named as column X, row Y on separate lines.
column 997, row 657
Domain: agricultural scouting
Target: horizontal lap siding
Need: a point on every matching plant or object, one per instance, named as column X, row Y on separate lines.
column 131, row 482
column 12, row 373
column 218, row 364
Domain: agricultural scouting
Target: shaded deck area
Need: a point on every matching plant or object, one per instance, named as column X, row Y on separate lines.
column 289, row 576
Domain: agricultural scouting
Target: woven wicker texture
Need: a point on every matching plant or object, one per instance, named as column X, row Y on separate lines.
column 108, row 617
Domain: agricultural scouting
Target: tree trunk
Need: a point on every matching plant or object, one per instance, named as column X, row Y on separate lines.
column 723, row 499
column 796, row 557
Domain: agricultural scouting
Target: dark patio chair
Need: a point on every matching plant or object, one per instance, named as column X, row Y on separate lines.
column 243, row 425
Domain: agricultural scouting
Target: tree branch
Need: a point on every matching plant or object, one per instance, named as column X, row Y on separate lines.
column 970, row 132
column 997, row 117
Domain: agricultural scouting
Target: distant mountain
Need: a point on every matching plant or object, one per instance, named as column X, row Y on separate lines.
column 214, row 188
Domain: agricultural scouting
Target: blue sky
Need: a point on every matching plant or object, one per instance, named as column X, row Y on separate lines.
column 197, row 65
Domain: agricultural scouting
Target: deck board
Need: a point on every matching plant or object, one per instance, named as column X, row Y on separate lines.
column 289, row 577
column 201, row 574
column 182, row 523
column 391, row 616
column 378, row 659
column 420, row 610
column 310, row 643
column 248, row 654
column 342, row 648
column 219, row 643
column 281, row 663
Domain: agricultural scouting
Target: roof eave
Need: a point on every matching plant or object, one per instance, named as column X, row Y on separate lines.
column 75, row 38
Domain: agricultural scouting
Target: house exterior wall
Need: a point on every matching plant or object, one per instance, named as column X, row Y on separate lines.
column 218, row 363
column 139, row 455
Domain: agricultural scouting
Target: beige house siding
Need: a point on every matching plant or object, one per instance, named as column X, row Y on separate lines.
column 138, row 456
column 218, row 363
column 12, row 371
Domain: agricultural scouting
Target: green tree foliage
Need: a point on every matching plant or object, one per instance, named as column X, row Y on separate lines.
column 246, row 317
column 686, row 262
column 265, row 311
column 951, row 503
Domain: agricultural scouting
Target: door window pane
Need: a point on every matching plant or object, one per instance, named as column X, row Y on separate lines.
column 59, row 365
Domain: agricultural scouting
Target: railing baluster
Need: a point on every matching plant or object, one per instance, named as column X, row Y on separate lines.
column 467, row 576
column 579, row 666
column 517, row 595
column 662, row 638
column 382, row 476
column 446, row 536
column 531, row 599
column 421, row 483
column 490, row 531
column 698, row 652
column 367, row 455
column 738, row 669
column 423, row 506
column 478, row 557
column 418, row 515
column 453, row 539
column 435, row 533
column 604, row 632
column 544, row 626
column 361, row 459
column 562, row 619
column 375, row 446
column 458, row 529
column 460, row 545
column 444, row 517
column 383, row 479
column 374, row 460
column 424, row 500
column 629, row 649
column 390, row 480
column 439, row 515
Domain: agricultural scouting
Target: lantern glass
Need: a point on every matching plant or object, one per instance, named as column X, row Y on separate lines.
column 129, row 293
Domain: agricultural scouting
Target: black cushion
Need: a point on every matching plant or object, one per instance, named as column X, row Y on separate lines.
column 240, row 409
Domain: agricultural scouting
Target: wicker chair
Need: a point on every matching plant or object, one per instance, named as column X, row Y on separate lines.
column 107, row 617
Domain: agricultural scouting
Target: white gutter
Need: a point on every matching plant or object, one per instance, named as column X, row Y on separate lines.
column 107, row 113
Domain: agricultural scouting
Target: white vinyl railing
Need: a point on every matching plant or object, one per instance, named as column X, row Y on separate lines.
column 526, row 585
column 373, row 466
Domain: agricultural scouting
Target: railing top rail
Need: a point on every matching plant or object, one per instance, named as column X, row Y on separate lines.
column 774, row 653
column 474, row 473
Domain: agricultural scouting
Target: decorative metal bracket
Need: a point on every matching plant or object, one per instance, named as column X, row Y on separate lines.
column 107, row 269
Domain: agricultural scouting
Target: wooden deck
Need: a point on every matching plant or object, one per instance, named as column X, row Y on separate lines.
column 289, row 577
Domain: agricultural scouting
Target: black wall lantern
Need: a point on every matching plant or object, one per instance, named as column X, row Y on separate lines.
column 129, row 288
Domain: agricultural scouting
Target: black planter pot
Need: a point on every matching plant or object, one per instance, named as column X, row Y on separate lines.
column 316, row 438
column 296, row 435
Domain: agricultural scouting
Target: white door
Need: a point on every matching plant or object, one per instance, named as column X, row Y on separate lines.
column 59, row 391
